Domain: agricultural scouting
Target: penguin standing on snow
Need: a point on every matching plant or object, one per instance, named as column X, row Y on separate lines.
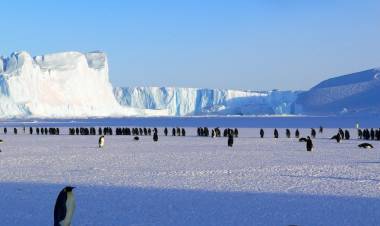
column 101, row 141
column 309, row 144
column 230, row 141
column 365, row 145
column 261, row 133
column 155, row 137
column 287, row 133
column 275, row 133
column 337, row 137
column 297, row 133
column 313, row 133
column 64, row 207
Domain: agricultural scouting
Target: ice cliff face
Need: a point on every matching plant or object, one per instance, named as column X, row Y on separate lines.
column 69, row 84
column 348, row 94
column 192, row 101
column 73, row 84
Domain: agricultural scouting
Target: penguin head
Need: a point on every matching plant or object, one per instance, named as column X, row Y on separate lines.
column 68, row 189
column 308, row 137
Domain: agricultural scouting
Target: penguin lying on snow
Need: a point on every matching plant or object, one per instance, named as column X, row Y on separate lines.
column 302, row 139
column 101, row 141
column 136, row 138
column 365, row 145
column 1, row 141
column 64, row 207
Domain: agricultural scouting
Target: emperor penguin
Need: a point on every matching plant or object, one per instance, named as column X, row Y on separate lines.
column 261, row 133
column 365, row 145
column 155, row 137
column 230, row 140
column 302, row 139
column 64, row 207
column 309, row 144
column 101, row 141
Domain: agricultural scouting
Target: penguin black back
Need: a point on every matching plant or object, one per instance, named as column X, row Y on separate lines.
column 155, row 137
column 60, row 208
column 261, row 133
column 309, row 144
column 230, row 141
column 287, row 133
column 365, row 145
column 297, row 133
column 302, row 139
column 275, row 133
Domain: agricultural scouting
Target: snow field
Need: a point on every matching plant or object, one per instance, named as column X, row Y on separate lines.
column 191, row 180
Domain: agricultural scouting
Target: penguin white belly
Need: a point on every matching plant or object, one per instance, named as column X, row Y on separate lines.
column 70, row 207
column 101, row 142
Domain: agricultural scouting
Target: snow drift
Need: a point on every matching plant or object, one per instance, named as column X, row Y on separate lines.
column 69, row 84
column 193, row 101
column 355, row 93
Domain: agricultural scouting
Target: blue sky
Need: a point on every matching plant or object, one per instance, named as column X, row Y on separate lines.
column 256, row 45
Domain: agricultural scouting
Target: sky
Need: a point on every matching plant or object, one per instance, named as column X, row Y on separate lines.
column 237, row 44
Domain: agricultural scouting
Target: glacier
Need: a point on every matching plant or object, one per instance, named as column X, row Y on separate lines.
column 60, row 85
column 202, row 101
column 76, row 85
column 353, row 94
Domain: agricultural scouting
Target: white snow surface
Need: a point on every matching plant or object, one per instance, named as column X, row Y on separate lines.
column 60, row 85
column 201, row 101
column 191, row 180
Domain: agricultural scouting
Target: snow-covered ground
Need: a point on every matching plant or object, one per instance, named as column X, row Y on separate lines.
column 190, row 180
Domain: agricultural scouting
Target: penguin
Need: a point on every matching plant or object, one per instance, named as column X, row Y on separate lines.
column 313, row 133
column 309, row 144
column 360, row 134
column 64, row 207
column 101, row 141
column 1, row 141
column 136, row 138
column 297, row 133
column 302, row 139
column 166, row 131
column 173, row 132
column 275, row 133
column 320, row 129
column 287, row 133
column 261, row 133
column 365, row 145
column 155, row 137
column 337, row 137
column 346, row 135
column 230, row 141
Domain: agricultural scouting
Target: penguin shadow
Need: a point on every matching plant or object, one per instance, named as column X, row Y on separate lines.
column 113, row 205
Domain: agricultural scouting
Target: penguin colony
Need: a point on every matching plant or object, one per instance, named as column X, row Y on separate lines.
column 229, row 133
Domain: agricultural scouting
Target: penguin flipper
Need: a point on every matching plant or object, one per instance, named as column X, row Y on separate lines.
column 60, row 208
